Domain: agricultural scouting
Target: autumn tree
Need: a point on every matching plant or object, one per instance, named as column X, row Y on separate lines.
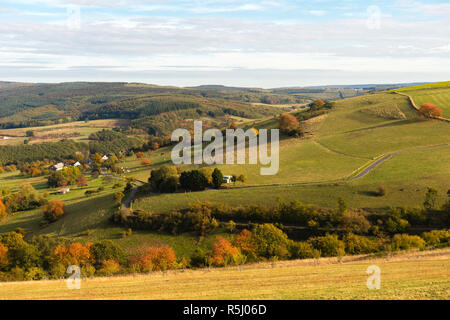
column 429, row 110
column 319, row 103
column 140, row 155
column 109, row 267
column 54, row 210
column 155, row 259
column 81, row 181
column 74, row 254
column 97, row 158
column 2, row 211
column 3, row 256
column 288, row 122
column 223, row 253
column 155, row 146
column 244, row 241
column 145, row 162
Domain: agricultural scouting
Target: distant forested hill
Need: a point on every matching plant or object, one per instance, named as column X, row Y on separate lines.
column 150, row 107
column 25, row 105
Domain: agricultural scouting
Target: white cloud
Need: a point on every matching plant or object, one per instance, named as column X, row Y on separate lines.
column 318, row 13
column 137, row 42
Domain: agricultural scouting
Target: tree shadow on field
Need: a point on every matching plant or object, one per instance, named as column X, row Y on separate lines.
column 369, row 193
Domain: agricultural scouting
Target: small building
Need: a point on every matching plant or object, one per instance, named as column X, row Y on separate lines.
column 105, row 157
column 63, row 191
column 77, row 164
column 227, row 179
column 59, row 166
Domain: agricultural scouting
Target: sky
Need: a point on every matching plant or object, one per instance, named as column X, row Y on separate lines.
column 264, row 44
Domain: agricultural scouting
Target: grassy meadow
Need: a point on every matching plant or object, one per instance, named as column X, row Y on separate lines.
column 435, row 93
column 313, row 169
column 414, row 275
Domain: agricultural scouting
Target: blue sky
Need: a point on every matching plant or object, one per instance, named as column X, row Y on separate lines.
column 240, row 43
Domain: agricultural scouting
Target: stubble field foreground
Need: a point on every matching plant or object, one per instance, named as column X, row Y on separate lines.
column 413, row 275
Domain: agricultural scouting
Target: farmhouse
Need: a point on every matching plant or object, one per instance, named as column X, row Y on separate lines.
column 105, row 157
column 77, row 164
column 63, row 191
column 59, row 166
column 227, row 179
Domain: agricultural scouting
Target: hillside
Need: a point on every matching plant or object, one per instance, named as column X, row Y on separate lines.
column 314, row 169
column 435, row 93
column 46, row 104
column 25, row 105
column 416, row 275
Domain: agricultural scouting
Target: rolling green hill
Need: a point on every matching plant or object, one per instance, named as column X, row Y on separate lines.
column 435, row 93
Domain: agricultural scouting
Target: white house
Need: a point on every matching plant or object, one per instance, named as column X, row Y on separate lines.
column 59, row 166
column 63, row 190
column 227, row 179
column 77, row 164
column 105, row 157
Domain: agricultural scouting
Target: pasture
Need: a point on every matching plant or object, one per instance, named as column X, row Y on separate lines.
column 435, row 93
column 313, row 169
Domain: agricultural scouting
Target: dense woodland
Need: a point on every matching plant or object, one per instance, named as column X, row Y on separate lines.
column 26, row 105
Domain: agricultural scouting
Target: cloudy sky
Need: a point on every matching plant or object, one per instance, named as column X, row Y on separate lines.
column 271, row 43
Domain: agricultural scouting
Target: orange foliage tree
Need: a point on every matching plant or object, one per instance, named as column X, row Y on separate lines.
column 224, row 253
column 319, row 103
column 54, row 210
column 75, row 254
column 288, row 122
column 245, row 243
column 140, row 155
column 155, row 259
column 2, row 210
column 3, row 255
column 429, row 110
column 145, row 162
column 81, row 181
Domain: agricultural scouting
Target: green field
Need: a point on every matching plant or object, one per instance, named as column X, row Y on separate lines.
column 417, row 275
column 435, row 93
column 348, row 138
